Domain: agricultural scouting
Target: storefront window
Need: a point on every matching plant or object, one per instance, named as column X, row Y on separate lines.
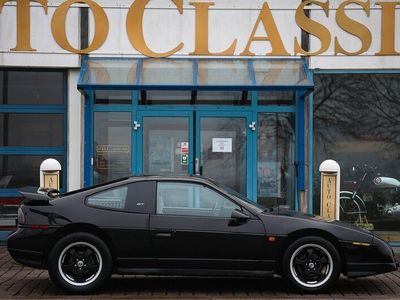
column 31, row 130
column 22, row 171
column 32, row 126
column 113, row 97
column 357, row 123
column 27, row 87
column 223, row 98
column 149, row 97
column 275, row 166
column 276, row 97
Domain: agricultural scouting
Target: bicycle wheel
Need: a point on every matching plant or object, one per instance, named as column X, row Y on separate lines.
column 352, row 209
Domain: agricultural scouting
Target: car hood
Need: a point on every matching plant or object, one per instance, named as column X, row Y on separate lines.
column 290, row 220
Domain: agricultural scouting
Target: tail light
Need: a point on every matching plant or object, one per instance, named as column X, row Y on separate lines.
column 21, row 216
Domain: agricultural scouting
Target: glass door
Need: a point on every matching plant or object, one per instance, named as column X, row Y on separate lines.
column 112, row 145
column 224, row 147
column 165, row 143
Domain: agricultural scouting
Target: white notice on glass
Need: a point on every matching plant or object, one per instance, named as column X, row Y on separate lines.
column 222, row 145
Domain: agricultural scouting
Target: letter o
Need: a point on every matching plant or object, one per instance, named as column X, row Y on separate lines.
column 100, row 21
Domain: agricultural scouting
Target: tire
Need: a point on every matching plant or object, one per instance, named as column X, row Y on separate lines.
column 80, row 263
column 352, row 209
column 311, row 264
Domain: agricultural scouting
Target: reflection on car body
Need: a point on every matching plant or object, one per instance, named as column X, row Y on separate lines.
column 185, row 226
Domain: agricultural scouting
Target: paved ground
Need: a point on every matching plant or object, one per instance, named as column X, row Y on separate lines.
column 17, row 281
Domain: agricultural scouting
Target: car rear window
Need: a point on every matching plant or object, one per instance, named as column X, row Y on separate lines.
column 113, row 198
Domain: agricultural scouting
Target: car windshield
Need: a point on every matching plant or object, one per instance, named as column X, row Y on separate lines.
column 235, row 194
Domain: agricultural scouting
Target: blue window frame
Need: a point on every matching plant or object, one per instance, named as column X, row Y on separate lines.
column 291, row 76
column 33, row 113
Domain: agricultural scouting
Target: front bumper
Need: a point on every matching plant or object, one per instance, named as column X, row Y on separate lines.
column 374, row 259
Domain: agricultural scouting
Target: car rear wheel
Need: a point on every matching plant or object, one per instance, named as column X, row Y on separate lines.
column 80, row 263
column 311, row 264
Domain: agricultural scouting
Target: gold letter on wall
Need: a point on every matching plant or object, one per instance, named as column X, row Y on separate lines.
column 24, row 23
column 59, row 31
column 201, row 43
column 387, row 28
column 273, row 36
column 312, row 27
column 353, row 27
column 134, row 28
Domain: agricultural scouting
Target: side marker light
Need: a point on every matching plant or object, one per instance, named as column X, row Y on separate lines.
column 361, row 244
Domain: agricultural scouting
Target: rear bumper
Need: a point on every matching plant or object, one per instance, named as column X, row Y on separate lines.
column 28, row 258
column 27, row 246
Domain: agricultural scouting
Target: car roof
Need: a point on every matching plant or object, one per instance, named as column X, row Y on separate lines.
column 194, row 178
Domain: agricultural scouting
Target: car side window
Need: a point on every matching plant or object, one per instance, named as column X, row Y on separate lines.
column 113, row 198
column 180, row 198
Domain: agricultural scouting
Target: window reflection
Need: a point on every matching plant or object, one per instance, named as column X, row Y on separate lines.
column 275, row 166
column 175, row 198
column 112, row 146
column 22, row 171
column 26, row 87
column 113, row 97
column 356, row 122
column 31, row 130
column 223, row 150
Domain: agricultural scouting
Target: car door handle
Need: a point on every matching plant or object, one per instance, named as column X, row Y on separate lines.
column 164, row 233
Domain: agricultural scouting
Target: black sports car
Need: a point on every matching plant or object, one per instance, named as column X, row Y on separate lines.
column 185, row 226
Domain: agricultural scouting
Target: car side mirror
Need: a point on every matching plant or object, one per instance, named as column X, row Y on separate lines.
column 238, row 217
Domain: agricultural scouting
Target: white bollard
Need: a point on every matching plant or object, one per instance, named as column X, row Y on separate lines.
column 330, row 189
column 50, row 174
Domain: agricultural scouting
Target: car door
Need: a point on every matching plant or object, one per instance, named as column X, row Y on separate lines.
column 192, row 228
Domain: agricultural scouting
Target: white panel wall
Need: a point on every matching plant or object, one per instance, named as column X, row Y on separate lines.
column 75, row 129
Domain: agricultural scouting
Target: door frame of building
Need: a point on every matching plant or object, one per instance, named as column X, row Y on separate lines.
column 140, row 114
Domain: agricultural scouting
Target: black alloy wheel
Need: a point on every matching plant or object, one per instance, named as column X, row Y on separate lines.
column 80, row 263
column 311, row 264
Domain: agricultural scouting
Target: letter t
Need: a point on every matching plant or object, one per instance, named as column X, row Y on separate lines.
column 24, row 23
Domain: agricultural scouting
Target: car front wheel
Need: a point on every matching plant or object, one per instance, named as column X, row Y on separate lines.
column 80, row 263
column 311, row 264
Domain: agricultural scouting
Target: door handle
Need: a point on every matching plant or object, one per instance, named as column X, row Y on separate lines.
column 197, row 166
column 164, row 233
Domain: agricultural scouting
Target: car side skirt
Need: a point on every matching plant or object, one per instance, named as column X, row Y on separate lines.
column 195, row 264
column 195, row 272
